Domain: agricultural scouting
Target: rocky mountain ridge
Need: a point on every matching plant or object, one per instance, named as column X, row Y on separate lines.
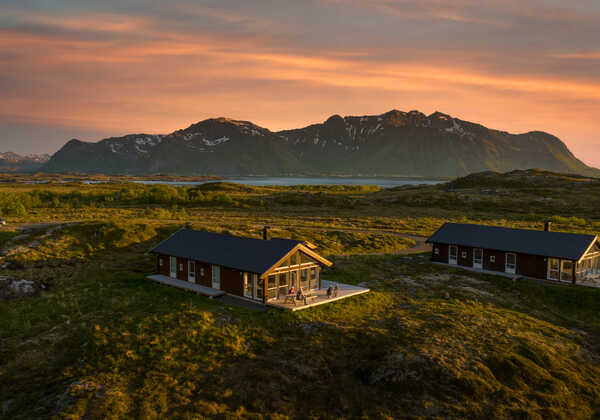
column 13, row 162
column 393, row 143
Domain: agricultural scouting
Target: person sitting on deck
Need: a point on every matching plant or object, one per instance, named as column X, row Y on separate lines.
column 299, row 294
column 329, row 291
column 291, row 291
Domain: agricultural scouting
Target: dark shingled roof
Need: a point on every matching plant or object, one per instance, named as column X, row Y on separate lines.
column 571, row 246
column 247, row 254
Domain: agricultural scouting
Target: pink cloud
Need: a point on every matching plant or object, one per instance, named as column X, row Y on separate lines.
column 138, row 75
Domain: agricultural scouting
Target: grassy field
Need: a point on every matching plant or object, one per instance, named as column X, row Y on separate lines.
column 427, row 342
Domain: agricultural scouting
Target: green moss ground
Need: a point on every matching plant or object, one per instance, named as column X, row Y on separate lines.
column 426, row 342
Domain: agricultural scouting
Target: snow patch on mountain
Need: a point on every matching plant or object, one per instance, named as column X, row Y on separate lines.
column 215, row 142
column 148, row 140
column 456, row 128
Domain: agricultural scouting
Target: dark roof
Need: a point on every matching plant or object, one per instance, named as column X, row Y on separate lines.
column 570, row 246
column 247, row 254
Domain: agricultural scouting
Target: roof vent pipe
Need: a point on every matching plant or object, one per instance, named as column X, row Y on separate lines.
column 266, row 233
column 547, row 226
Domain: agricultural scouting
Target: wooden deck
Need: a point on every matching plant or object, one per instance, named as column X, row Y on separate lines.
column 345, row 291
column 186, row 285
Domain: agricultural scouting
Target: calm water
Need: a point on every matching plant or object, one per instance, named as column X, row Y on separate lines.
column 291, row 181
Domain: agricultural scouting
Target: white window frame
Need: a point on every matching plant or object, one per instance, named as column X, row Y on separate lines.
column 436, row 251
column 562, row 271
column 550, row 270
column 192, row 271
column 160, row 262
column 255, row 284
column 477, row 262
column 249, row 291
column 216, row 277
column 510, row 269
column 173, row 267
column 450, row 260
column 492, row 258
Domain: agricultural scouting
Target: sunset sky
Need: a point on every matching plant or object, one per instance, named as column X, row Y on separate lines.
column 91, row 69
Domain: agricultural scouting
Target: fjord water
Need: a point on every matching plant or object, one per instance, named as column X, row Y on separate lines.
column 292, row 181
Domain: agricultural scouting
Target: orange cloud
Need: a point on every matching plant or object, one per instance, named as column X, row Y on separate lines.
column 139, row 76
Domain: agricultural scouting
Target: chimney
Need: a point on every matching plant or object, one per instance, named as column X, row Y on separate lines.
column 266, row 233
column 547, row 226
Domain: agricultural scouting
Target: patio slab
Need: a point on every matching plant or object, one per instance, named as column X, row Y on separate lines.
column 186, row 285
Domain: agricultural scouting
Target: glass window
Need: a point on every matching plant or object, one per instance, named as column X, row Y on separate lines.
column 191, row 268
column 453, row 254
column 283, row 284
column 283, row 264
column 492, row 258
column 216, row 277
column 160, row 262
column 259, row 289
column 283, row 279
column 314, row 280
column 566, row 271
column 553, row 268
column 294, row 279
column 464, row 254
column 436, row 251
column 294, row 258
column 248, row 288
column 271, row 287
column 304, row 279
column 477, row 256
column 511, row 262
column 306, row 259
column 173, row 266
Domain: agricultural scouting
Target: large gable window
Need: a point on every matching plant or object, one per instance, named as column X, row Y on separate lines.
column 294, row 259
column 284, row 264
column 283, row 284
column 307, row 260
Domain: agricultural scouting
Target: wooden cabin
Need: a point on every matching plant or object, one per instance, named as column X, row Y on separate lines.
column 559, row 256
column 256, row 269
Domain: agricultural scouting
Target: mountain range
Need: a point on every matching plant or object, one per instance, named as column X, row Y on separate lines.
column 394, row 143
column 12, row 162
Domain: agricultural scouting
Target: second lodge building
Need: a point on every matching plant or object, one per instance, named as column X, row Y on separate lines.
column 542, row 254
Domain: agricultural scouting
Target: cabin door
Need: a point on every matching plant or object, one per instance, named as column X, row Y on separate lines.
column 216, row 277
column 453, row 254
column 477, row 258
column 553, row 269
column 511, row 263
column 191, row 271
column 173, row 267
